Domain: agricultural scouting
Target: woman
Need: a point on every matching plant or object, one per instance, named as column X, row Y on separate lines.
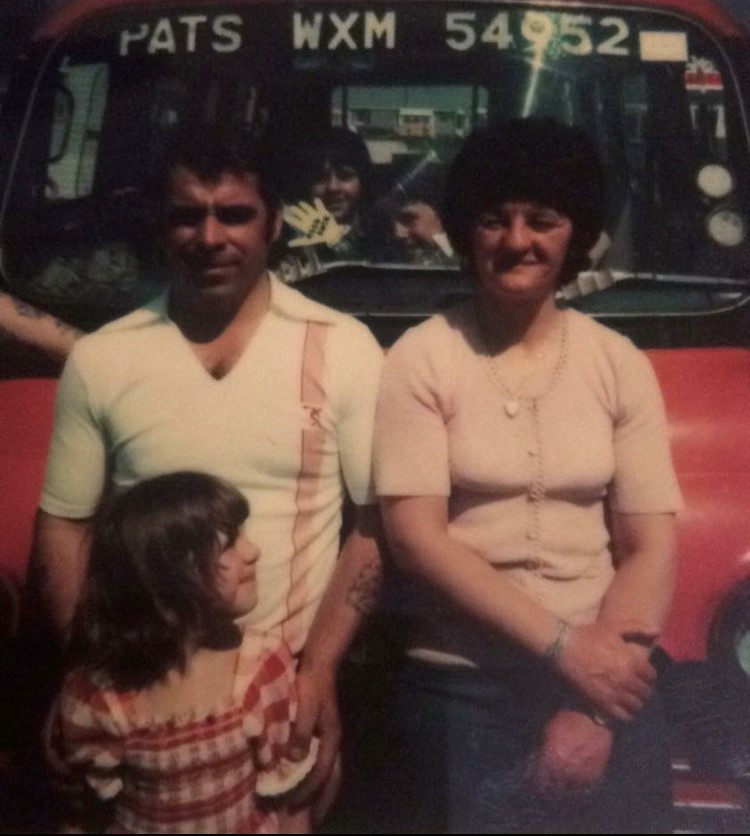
column 527, row 487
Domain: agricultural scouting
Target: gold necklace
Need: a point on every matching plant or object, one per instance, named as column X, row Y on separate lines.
column 512, row 400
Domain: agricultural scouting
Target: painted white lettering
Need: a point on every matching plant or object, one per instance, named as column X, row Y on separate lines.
column 614, row 44
column 385, row 28
column 342, row 30
column 461, row 23
column 574, row 28
column 191, row 23
column 228, row 27
column 539, row 29
column 162, row 38
column 498, row 32
column 307, row 32
column 128, row 36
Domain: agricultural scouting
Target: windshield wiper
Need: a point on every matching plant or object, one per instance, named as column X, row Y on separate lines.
column 593, row 281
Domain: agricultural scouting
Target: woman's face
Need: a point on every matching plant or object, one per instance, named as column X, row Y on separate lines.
column 340, row 189
column 519, row 249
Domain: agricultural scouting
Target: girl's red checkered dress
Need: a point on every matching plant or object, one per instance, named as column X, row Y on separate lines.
column 192, row 773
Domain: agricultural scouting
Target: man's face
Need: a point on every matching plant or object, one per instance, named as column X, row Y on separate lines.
column 218, row 233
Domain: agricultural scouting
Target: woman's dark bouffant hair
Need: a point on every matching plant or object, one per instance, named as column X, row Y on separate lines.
column 536, row 159
column 150, row 596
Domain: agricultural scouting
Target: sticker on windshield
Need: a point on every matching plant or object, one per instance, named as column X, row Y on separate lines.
column 663, row 46
column 702, row 75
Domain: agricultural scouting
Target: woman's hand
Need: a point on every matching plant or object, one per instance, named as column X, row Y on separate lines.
column 572, row 756
column 610, row 672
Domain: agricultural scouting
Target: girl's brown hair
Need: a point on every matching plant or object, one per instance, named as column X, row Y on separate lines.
column 150, row 597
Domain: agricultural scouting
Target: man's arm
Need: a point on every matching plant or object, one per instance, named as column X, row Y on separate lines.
column 59, row 561
column 350, row 597
column 75, row 479
column 27, row 325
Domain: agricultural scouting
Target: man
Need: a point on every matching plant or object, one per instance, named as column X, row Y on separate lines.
column 234, row 374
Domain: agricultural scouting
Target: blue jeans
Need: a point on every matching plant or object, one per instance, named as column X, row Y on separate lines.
column 460, row 742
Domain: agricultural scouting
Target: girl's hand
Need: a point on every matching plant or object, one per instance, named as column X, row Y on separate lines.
column 606, row 669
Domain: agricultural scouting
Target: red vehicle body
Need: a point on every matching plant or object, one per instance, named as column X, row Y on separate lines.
column 663, row 84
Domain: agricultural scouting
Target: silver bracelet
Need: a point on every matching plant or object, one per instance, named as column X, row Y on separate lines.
column 553, row 650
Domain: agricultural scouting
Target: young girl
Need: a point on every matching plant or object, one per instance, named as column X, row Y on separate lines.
column 174, row 720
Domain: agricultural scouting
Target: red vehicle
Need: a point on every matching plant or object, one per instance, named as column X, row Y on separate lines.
column 663, row 86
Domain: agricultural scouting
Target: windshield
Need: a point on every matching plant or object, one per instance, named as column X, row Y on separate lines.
column 367, row 108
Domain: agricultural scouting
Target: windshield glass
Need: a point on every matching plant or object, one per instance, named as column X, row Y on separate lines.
column 367, row 108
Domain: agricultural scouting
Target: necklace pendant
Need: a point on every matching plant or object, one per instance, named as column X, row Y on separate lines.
column 511, row 408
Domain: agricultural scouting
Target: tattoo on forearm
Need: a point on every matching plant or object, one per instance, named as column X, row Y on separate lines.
column 364, row 592
column 29, row 311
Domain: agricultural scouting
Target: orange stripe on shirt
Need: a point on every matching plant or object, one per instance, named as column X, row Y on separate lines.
column 313, row 398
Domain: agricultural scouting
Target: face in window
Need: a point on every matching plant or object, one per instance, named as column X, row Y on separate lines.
column 218, row 234
column 340, row 189
column 518, row 251
column 415, row 226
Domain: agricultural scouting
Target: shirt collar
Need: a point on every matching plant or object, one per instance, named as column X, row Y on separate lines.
column 285, row 301
column 291, row 303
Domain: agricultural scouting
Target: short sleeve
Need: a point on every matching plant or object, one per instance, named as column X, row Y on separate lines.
column 76, row 465
column 359, row 365
column 645, row 480
column 411, row 436
column 83, row 746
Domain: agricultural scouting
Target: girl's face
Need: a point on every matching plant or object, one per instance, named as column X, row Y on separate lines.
column 519, row 249
column 235, row 575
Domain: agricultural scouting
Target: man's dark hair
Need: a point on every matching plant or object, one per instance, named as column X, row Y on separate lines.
column 536, row 159
column 151, row 592
column 210, row 153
